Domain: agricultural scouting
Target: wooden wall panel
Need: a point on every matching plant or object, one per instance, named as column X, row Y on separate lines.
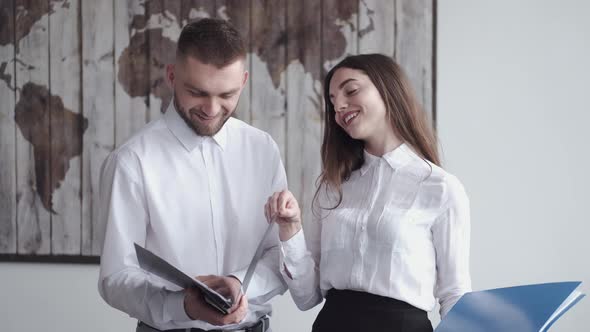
column 8, row 231
column 377, row 27
column 78, row 78
column 268, row 38
column 239, row 14
column 131, row 65
column 339, row 31
column 67, row 126
column 98, row 82
column 162, row 29
column 304, row 100
column 33, row 168
column 414, row 47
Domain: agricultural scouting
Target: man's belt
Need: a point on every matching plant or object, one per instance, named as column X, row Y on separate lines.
column 261, row 326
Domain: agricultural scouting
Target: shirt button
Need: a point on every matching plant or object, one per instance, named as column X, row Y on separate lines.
column 364, row 228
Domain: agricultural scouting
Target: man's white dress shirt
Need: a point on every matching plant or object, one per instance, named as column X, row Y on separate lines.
column 198, row 202
column 401, row 231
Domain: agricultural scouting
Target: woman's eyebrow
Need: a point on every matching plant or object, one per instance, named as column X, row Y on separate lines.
column 344, row 82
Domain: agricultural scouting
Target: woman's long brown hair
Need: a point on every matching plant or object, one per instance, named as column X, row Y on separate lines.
column 342, row 154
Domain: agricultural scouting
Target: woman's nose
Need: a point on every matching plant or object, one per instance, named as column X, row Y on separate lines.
column 340, row 104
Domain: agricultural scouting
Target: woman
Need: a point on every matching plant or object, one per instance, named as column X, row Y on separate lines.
column 391, row 229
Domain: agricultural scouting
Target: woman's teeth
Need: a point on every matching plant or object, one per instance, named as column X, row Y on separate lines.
column 349, row 117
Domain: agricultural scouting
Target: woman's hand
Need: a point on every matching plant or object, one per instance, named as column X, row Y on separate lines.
column 282, row 208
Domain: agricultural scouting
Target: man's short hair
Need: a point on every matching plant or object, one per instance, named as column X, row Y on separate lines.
column 211, row 41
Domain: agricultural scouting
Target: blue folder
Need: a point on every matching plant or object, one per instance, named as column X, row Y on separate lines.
column 528, row 308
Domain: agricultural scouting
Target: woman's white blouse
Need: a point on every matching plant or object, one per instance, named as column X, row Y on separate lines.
column 401, row 231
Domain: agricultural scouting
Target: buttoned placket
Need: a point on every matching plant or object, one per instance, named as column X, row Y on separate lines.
column 361, row 229
column 214, row 199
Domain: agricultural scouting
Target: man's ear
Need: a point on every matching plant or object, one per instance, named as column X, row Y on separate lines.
column 245, row 78
column 170, row 75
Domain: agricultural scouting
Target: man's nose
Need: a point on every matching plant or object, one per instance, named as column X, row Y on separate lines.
column 212, row 107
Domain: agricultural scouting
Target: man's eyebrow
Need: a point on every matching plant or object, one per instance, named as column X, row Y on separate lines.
column 190, row 86
column 232, row 91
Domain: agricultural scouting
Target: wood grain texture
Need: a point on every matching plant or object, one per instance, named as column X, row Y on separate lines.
column 239, row 14
column 339, row 31
column 268, row 37
column 32, row 136
column 67, row 126
column 304, row 101
column 414, row 47
column 162, row 30
column 98, row 72
column 377, row 26
column 78, row 82
column 8, row 231
column 131, row 65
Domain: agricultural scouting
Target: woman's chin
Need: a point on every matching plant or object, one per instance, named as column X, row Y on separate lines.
column 355, row 134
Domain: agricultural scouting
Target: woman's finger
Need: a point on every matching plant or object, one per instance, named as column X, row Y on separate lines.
column 274, row 205
column 281, row 204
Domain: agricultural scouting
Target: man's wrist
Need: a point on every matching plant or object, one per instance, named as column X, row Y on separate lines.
column 236, row 279
column 185, row 306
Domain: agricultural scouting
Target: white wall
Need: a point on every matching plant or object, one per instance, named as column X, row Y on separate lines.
column 63, row 298
column 55, row 297
column 512, row 116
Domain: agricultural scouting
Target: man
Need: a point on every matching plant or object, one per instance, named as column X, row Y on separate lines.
column 191, row 187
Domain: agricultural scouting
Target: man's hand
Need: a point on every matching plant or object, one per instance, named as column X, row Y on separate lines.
column 197, row 309
column 230, row 287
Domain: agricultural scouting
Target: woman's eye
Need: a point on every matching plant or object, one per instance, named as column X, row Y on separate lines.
column 351, row 92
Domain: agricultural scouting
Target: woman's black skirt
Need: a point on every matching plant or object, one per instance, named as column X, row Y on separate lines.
column 352, row 311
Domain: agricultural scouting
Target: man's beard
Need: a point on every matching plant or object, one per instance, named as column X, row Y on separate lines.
column 199, row 128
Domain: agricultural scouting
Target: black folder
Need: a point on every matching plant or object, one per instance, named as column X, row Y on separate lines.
column 151, row 263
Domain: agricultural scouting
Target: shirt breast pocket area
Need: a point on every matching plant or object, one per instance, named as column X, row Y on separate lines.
column 401, row 229
column 338, row 228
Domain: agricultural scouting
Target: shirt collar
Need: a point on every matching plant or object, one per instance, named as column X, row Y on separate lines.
column 396, row 158
column 187, row 136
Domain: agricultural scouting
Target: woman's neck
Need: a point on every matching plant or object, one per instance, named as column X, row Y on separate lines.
column 379, row 145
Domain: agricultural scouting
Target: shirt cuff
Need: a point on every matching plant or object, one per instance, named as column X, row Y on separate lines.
column 174, row 307
column 292, row 252
column 240, row 275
